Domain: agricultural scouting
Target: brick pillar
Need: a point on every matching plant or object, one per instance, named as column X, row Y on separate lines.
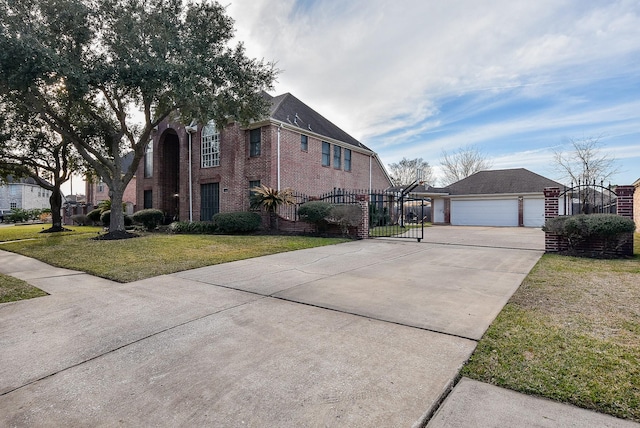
column 625, row 201
column 625, row 209
column 520, row 211
column 363, row 227
column 551, row 240
column 447, row 211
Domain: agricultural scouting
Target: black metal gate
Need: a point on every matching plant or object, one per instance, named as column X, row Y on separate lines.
column 588, row 198
column 397, row 214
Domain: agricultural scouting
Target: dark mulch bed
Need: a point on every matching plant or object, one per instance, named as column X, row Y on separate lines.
column 117, row 234
column 55, row 230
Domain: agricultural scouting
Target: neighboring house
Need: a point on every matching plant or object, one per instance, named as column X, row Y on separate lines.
column 195, row 172
column 636, row 204
column 23, row 193
column 97, row 191
column 507, row 197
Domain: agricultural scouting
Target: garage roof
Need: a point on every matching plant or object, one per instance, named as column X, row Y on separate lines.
column 518, row 180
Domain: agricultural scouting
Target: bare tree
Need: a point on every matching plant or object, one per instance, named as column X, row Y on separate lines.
column 409, row 170
column 462, row 163
column 584, row 161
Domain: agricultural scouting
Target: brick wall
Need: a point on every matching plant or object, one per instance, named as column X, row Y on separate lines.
column 625, row 207
column 300, row 170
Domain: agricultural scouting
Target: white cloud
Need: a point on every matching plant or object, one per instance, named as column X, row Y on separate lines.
column 383, row 70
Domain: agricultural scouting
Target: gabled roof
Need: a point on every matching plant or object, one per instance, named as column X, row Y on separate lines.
column 10, row 179
column 288, row 109
column 498, row 181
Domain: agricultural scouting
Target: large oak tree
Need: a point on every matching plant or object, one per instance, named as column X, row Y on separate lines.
column 103, row 73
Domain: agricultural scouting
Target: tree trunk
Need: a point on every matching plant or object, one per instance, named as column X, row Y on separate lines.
column 116, row 223
column 55, row 200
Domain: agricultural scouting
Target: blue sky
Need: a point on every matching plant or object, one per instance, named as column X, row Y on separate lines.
column 411, row 78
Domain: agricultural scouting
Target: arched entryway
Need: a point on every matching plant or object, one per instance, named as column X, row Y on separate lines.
column 169, row 167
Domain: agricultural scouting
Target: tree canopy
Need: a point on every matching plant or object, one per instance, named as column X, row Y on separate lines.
column 462, row 163
column 104, row 73
column 409, row 170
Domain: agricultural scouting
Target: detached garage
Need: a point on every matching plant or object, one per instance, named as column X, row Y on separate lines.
column 508, row 197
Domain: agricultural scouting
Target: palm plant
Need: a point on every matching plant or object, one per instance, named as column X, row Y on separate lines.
column 270, row 199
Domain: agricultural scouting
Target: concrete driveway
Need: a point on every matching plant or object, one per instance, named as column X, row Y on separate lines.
column 367, row 333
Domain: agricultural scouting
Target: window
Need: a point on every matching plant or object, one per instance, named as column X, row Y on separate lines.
column 210, row 156
column 254, row 142
column 337, row 157
column 347, row 159
column 101, row 186
column 304, row 143
column 148, row 160
column 326, row 154
column 148, row 199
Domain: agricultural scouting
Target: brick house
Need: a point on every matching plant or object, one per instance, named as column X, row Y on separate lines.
column 193, row 172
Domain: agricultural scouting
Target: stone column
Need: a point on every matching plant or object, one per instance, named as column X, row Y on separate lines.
column 625, row 209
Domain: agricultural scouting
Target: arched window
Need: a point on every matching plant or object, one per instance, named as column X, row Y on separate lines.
column 148, row 161
column 210, row 154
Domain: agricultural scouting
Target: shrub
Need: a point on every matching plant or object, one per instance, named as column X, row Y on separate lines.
column 18, row 215
column 586, row 225
column 80, row 219
column 150, row 218
column 578, row 229
column 237, row 222
column 315, row 212
column 105, row 218
column 195, row 227
column 345, row 216
column 94, row 215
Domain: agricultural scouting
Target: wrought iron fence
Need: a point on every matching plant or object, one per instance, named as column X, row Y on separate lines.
column 391, row 214
column 588, row 198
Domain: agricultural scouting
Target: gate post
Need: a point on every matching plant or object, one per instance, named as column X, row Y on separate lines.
column 363, row 227
column 551, row 240
column 625, row 209
column 625, row 201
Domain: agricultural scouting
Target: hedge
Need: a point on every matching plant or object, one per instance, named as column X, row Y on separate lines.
column 237, row 222
column 150, row 218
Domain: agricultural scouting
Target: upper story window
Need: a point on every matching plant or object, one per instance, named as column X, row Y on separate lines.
column 304, row 143
column 326, row 154
column 337, row 157
column 254, row 142
column 210, row 154
column 101, row 186
column 148, row 160
column 347, row 159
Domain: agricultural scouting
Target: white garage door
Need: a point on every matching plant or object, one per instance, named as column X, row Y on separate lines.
column 533, row 215
column 483, row 212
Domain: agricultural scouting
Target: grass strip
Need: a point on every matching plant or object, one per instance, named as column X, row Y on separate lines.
column 570, row 333
column 14, row 289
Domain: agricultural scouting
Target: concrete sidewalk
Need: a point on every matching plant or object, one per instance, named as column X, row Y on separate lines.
column 367, row 333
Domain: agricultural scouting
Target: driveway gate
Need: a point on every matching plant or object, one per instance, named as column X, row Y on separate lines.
column 397, row 214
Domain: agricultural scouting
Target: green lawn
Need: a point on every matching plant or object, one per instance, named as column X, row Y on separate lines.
column 148, row 255
column 13, row 289
column 570, row 333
